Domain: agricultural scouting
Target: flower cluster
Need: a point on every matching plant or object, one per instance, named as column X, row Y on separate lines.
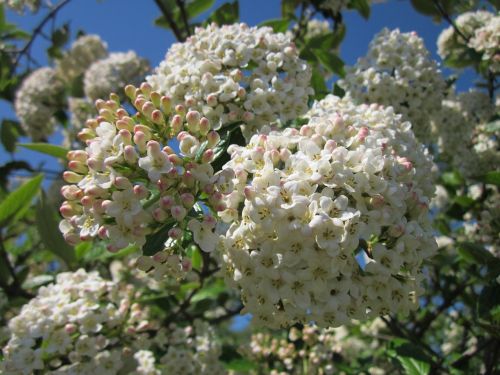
column 129, row 182
column 398, row 71
column 81, row 109
column 236, row 74
column 310, row 349
column 79, row 325
column 316, row 28
column 83, row 52
column 463, row 139
column 481, row 28
column 334, row 223
column 40, row 96
column 20, row 5
column 113, row 73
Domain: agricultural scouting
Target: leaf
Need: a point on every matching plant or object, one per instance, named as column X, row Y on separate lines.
column 10, row 132
column 425, row 7
column 48, row 229
column 330, row 61
column 362, row 6
column 226, row 14
column 16, row 203
column 493, row 126
column 338, row 91
column 196, row 259
column 474, row 253
column 210, row 292
column 288, row 8
column 413, row 366
column 279, row 25
column 156, row 241
column 488, row 301
column 60, row 36
column 453, row 179
column 464, row 201
column 318, row 84
column 46, row 148
column 37, row 281
column 491, row 178
column 197, row 7
column 241, row 365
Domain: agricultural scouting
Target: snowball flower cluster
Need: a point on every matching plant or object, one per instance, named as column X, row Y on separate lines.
column 334, row 223
column 84, row 51
column 113, row 73
column 129, row 182
column 40, row 96
column 481, row 28
column 398, row 71
column 79, row 325
column 463, row 139
column 236, row 74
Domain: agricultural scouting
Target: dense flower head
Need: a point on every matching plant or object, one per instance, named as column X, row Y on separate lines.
column 335, row 220
column 37, row 100
column 236, row 73
column 78, row 325
column 481, row 30
column 129, row 181
column 84, row 51
column 398, row 71
column 112, row 74
column 463, row 137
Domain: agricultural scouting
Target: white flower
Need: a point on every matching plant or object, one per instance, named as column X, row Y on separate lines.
column 203, row 235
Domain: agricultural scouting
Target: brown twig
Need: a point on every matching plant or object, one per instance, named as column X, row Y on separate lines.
column 170, row 20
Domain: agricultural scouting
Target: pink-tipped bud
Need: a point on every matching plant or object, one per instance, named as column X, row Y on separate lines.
column 167, row 202
column 78, row 167
column 232, row 116
column 175, row 159
column 130, row 154
column 130, row 91
column 186, row 265
column 209, row 189
column 306, row 131
column 180, row 109
column 178, row 212
column 285, row 154
column 125, row 123
column 157, row 117
column 155, row 98
column 208, row 156
column 204, row 126
column 187, row 200
column 140, row 140
column 71, row 192
column 86, row 134
column 249, row 193
column 66, row 210
column 159, row 215
column 72, row 177
column 166, row 104
column 146, row 88
column 175, row 233
column 212, row 100
column 330, row 145
column 275, row 156
column 121, row 113
column 70, row 328
column 122, row 183
column 141, row 192
column 213, row 138
column 188, row 179
column 126, row 136
column 193, row 120
column 176, row 124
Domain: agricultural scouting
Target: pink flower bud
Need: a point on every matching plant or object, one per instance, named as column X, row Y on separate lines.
column 207, row 156
column 178, row 212
column 175, row 233
column 213, row 138
column 166, row 104
column 130, row 92
column 187, row 200
column 159, row 215
column 167, row 202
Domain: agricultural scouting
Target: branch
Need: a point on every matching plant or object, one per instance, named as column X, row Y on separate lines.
column 182, row 6
column 170, row 20
column 448, row 19
column 38, row 31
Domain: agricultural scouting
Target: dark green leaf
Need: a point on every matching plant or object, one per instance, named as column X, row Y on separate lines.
column 453, row 179
column 338, row 91
column 464, row 201
column 278, row 25
column 48, row 229
column 362, row 6
column 241, row 365
column 413, row 366
column 491, row 178
column 211, row 291
column 17, row 202
column 46, row 148
column 488, row 300
column 425, row 7
column 197, row 7
column 10, row 132
column 288, row 8
column 156, row 241
column 226, row 14
column 318, row 84
column 474, row 253
column 61, row 35
column 330, row 61
column 493, row 126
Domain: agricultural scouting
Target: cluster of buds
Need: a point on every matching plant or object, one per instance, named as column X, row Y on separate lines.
column 144, row 174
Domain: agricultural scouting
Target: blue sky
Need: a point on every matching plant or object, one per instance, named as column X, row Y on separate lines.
column 128, row 25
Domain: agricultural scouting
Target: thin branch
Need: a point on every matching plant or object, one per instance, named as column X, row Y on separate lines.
column 170, row 20
column 448, row 19
column 38, row 31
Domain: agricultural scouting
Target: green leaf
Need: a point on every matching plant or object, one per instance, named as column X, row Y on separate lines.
column 48, row 229
column 493, row 126
column 464, row 201
column 425, row 7
column 279, row 25
column 61, row 35
column 196, row 259
column 241, row 365
column 16, row 203
column 211, row 291
column 474, row 253
column 362, row 6
column 226, row 14
column 10, row 132
column 37, row 281
column 46, row 148
column 318, row 84
column 453, row 179
column 338, row 91
column 413, row 366
column 156, row 241
column 330, row 61
column 491, row 178
column 288, row 8
column 197, row 7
